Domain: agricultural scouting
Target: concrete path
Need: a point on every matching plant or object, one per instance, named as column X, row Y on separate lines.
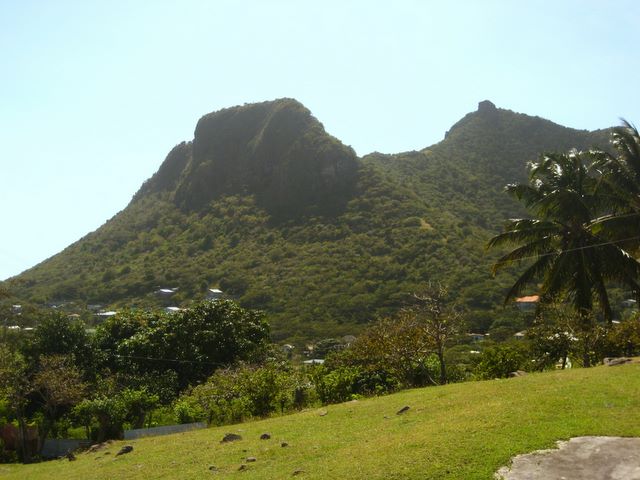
column 581, row 458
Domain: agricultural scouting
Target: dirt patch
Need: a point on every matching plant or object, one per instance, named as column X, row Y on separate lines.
column 581, row 458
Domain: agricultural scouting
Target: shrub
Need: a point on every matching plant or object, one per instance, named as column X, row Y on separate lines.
column 499, row 361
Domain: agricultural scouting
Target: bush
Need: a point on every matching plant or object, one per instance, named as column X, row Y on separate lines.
column 234, row 394
column 499, row 361
column 335, row 386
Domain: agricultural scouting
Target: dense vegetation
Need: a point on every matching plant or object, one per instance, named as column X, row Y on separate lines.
column 266, row 206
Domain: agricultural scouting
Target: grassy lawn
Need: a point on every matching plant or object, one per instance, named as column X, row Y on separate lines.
column 462, row 431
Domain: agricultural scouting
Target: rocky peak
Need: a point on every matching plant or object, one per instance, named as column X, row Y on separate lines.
column 486, row 106
column 274, row 150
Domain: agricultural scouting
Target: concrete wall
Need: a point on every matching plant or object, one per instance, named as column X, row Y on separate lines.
column 165, row 430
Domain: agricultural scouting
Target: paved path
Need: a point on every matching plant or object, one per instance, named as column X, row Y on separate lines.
column 581, row 458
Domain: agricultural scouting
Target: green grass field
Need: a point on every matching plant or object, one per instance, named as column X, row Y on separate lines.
column 462, row 431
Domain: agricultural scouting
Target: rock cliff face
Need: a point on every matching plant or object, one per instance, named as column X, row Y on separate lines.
column 274, row 150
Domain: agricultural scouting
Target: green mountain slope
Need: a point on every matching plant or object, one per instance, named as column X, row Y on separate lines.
column 463, row 431
column 282, row 216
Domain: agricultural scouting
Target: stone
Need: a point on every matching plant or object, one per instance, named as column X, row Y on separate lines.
column 98, row 446
column 265, row 436
column 297, row 472
column 581, row 458
column 70, row 456
column 242, row 467
column 213, row 468
column 403, row 410
column 231, row 437
column 251, row 459
column 322, row 413
column 284, row 444
column 125, row 449
column 518, row 373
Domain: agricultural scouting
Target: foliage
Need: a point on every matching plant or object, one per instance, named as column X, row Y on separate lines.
column 437, row 320
column 570, row 258
column 245, row 391
column 196, row 341
column 619, row 175
column 105, row 415
column 623, row 339
column 58, row 385
column 391, row 353
column 15, row 389
column 500, row 360
column 58, row 335
column 336, row 385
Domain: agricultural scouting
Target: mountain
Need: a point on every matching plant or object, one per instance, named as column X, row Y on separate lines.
column 267, row 206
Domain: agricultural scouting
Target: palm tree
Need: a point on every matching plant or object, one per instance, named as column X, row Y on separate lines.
column 619, row 187
column 572, row 259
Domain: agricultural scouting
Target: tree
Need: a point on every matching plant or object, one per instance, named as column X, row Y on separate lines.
column 571, row 259
column 392, row 352
column 15, row 388
column 56, row 334
column 111, row 409
column 438, row 320
column 58, row 385
column 196, row 341
column 619, row 186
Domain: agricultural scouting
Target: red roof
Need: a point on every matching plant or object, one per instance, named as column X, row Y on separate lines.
column 529, row 299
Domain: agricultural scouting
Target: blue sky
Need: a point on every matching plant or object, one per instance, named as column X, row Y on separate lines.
column 93, row 95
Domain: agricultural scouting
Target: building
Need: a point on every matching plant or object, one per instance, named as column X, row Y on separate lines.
column 528, row 303
column 165, row 292
column 476, row 337
column 214, row 294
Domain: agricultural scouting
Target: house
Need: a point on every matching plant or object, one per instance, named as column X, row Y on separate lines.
column 629, row 303
column 214, row 294
column 17, row 309
column 476, row 337
column 165, row 292
column 527, row 303
column 102, row 316
column 314, row 361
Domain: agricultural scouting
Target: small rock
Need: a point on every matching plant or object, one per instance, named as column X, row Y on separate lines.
column 230, row 437
column 298, row 472
column 402, row 410
column 97, row 447
column 322, row 413
column 125, row 449
column 213, row 468
column 284, row 444
column 70, row 456
column 265, row 436
column 518, row 373
column 251, row 459
column 242, row 467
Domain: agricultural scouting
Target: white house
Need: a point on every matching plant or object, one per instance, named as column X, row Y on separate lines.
column 214, row 294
